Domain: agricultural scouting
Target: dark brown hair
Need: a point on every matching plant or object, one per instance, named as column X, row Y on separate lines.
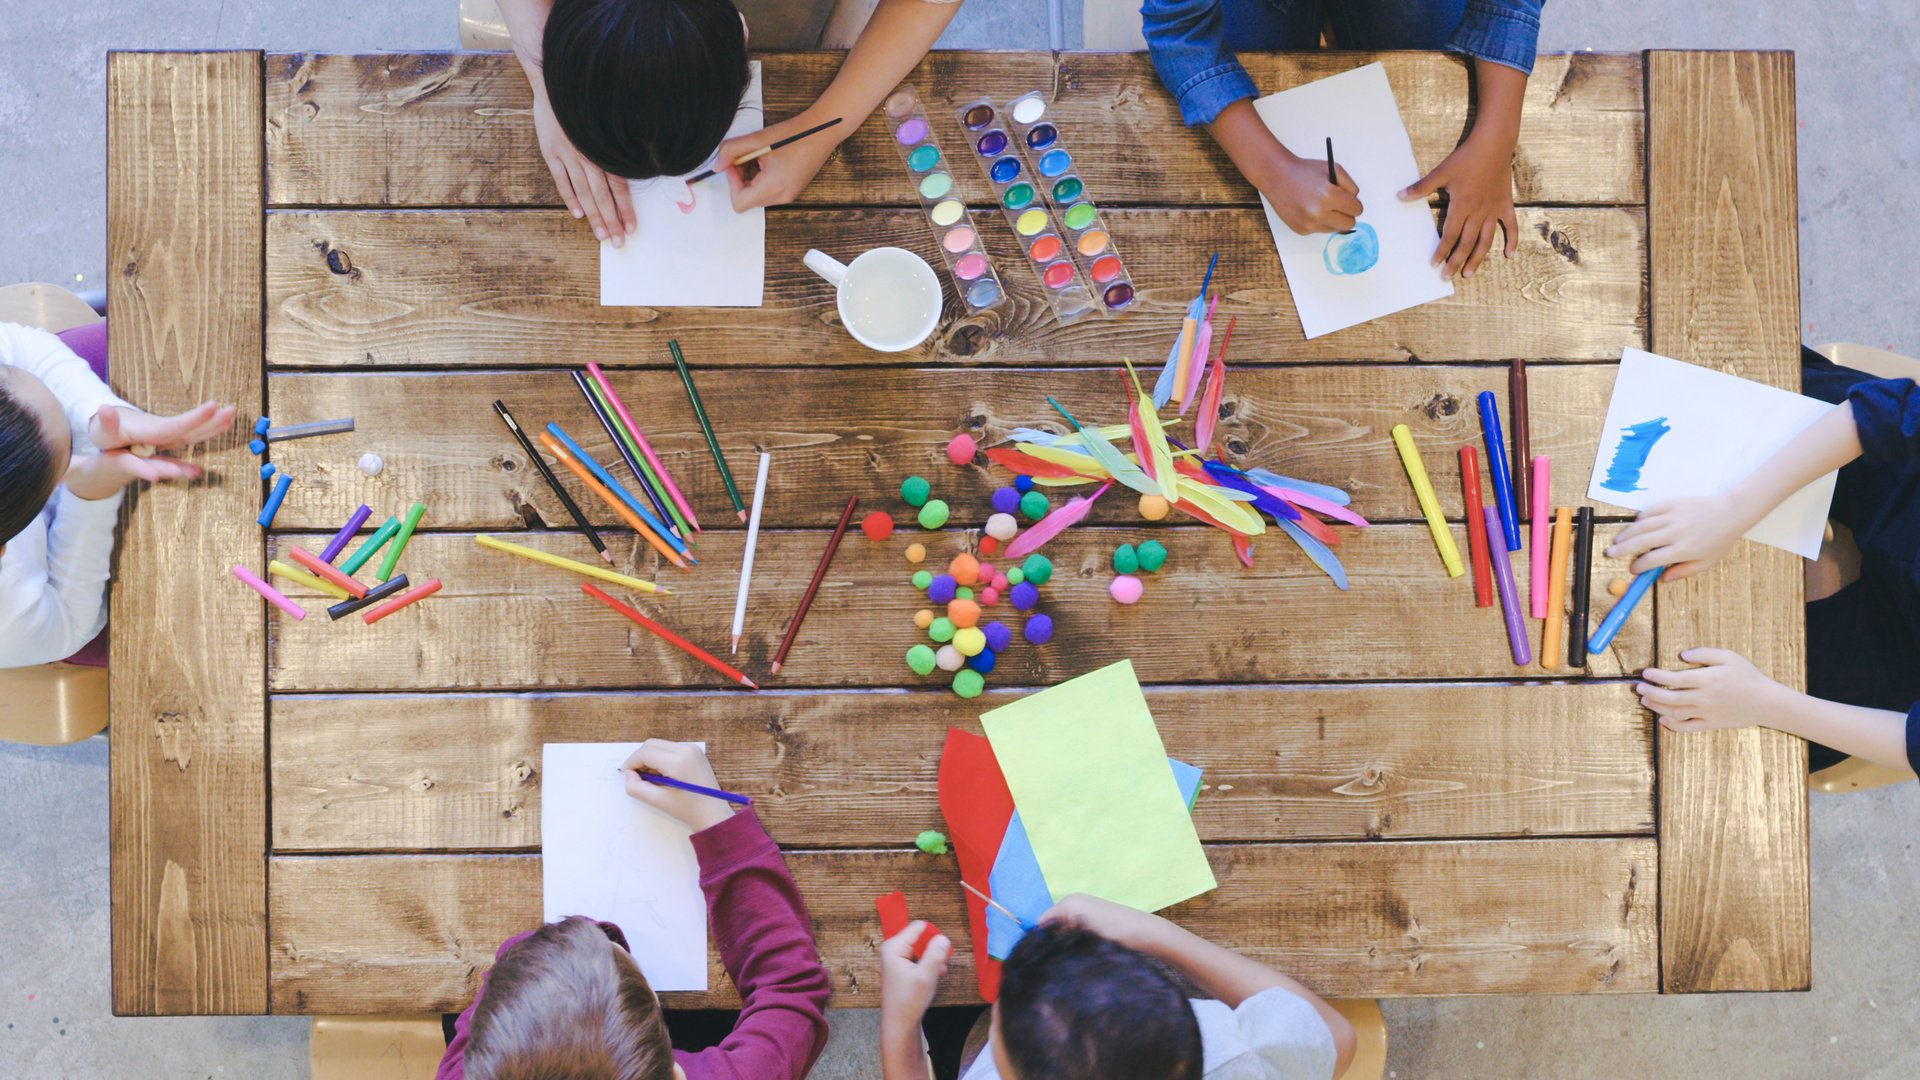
column 1078, row 1006
column 567, row 1003
column 26, row 466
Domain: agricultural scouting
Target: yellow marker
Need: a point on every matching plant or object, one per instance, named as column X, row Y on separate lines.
column 301, row 577
column 1550, row 646
column 1430, row 506
column 600, row 572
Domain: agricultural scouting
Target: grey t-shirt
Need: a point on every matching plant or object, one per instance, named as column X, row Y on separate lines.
column 1273, row 1035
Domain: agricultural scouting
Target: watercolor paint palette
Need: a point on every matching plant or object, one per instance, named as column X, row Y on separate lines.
column 975, row 280
column 1017, row 189
column 1057, row 175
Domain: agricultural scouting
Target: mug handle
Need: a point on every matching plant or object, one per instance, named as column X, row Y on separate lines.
column 826, row 266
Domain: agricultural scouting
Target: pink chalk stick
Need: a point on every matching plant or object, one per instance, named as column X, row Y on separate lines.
column 272, row 594
column 1537, row 578
column 640, row 440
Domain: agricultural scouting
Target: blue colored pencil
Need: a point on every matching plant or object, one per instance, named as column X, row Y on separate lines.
column 672, row 538
column 714, row 793
column 280, row 486
column 1497, row 470
column 1609, row 626
column 345, row 535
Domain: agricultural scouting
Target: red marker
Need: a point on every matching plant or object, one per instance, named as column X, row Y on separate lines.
column 1476, row 543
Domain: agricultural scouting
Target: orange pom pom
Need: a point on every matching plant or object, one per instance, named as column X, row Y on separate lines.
column 964, row 613
column 965, row 569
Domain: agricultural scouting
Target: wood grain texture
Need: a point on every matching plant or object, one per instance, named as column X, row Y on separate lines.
column 1326, row 424
column 359, row 773
column 414, row 933
column 1726, row 294
column 515, row 288
column 187, row 700
column 439, row 129
column 504, row 622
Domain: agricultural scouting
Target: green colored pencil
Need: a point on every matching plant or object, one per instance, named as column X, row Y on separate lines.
column 392, row 557
column 379, row 538
column 634, row 457
column 700, row 414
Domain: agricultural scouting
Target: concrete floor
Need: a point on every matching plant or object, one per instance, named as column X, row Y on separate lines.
column 1858, row 90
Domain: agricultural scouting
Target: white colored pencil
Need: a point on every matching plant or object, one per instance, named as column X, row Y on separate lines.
column 753, row 538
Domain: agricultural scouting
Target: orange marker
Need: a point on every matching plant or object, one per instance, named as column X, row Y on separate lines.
column 1556, row 588
column 633, row 521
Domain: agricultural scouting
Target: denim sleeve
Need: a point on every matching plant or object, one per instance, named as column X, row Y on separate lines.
column 1913, row 737
column 1503, row 31
column 1887, row 414
column 1187, row 39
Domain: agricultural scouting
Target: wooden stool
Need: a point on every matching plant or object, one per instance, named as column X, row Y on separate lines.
column 376, row 1047
column 1856, row 774
column 1370, row 1031
column 1878, row 363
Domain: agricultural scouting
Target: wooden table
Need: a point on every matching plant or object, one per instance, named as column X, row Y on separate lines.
column 316, row 817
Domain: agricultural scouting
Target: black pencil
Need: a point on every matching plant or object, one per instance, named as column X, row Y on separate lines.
column 620, row 445
column 1582, row 586
column 552, row 480
column 768, row 149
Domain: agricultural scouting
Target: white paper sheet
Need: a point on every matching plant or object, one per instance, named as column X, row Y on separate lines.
column 1357, row 110
column 606, row 856
column 1675, row 429
column 708, row 257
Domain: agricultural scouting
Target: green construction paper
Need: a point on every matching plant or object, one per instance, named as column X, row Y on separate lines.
column 1102, row 810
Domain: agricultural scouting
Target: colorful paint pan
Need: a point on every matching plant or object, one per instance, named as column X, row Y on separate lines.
column 974, row 279
column 1056, row 175
column 1011, row 171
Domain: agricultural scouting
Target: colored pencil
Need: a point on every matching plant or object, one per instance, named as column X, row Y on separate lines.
column 819, row 573
column 379, row 593
column 776, row 144
column 646, row 449
column 580, row 455
column 1556, row 589
column 1582, row 586
column 682, row 785
column 1429, row 505
column 1497, row 471
column 627, row 451
column 274, row 498
column 1476, row 541
column 302, row 431
column 1509, row 602
column 300, row 577
column 411, row 596
column 553, row 481
column 753, row 539
column 272, row 594
column 392, row 558
column 1617, row 617
column 706, row 428
column 1517, row 402
column 670, row 637
column 372, row 544
column 995, row 905
column 608, row 497
column 1537, row 548
column 312, row 562
column 587, row 569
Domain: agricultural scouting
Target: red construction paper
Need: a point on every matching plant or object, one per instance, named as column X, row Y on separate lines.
column 977, row 804
column 892, row 909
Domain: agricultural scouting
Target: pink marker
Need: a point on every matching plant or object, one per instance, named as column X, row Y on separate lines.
column 272, row 594
column 640, row 440
column 1537, row 580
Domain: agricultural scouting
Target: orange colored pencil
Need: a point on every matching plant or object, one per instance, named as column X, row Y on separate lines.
column 632, row 519
column 670, row 637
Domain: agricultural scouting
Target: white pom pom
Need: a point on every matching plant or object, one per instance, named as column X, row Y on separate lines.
column 371, row 464
column 1002, row 527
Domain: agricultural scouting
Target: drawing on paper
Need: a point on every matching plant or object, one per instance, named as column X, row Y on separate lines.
column 1352, row 252
column 686, row 207
column 1636, row 443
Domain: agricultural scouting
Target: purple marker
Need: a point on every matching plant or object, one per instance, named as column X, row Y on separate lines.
column 339, row 541
column 1509, row 601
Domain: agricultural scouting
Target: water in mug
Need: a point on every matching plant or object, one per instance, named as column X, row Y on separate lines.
column 889, row 302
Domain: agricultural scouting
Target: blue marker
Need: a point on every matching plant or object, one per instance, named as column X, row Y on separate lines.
column 280, row 487
column 1497, row 468
column 673, row 539
column 1609, row 626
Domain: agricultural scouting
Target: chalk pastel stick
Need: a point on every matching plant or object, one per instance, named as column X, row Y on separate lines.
column 1556, row 589
column 373, row 544
column 1642, row 584
column 378, row 594
column 1509, row 602
column 1497, row 470
column 1537, row 557
column 272, row 594
column 280, row 486
column 1430, row 506
column 302, row 431
column 301, row 577
column 392, row 558
column 312, row 562
column 411, row 596
column 1476, row 536
column 340, row 539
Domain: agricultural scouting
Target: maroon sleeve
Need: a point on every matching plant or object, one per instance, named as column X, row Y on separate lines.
column 766, row 944
column 453, row 1064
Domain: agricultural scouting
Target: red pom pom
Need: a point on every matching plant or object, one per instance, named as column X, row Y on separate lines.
column 988, row 545
column 877, row 526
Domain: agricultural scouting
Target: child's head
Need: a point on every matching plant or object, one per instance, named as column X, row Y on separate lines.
column 35, row 447
column 1077, row 1006
column 645, row 88
column 569, row 1002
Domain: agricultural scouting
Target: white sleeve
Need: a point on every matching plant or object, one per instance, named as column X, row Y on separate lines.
column 1273, row 1035
column 47, row 358
column 53, row 580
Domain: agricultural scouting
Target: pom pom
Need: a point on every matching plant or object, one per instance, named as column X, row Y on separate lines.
column 1125, row 559
column 989, row 596
column 923, row 618
column 969, row 640
column 916, row 553
column 969, row 683
column 949, row 659
column 1039, row 630
column 1154, row 507
column 933, row 515
column 1023, row 484
column 1126, row 589
column 986, row 573
column 1006, row 500
column 964, row 592
column 1003, row 582
column 964, row 568
column 964, row 613
column 371, row 464
column 960, row 449
column 1038, row 568
column 941, row 629
column 1002, row 526
column 942, row 589
column 1034, row 505
column 1015, row 575
column 920, row 659
column 877, row 526
column 933, row 842
column 998, row 636
column 922, row 579
column 1617, row 587
column 915, row 490
column 1153, row 555
column 989, row 546
column 982, row 661
column 1025, row 596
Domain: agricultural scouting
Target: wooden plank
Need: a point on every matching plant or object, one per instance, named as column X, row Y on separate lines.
column 440, row 129
column 503, row 622
column 1726, row 294
column 461, row 772
column 187, row 703
column 1328, row 424
column 496, row 288
column 414, row 933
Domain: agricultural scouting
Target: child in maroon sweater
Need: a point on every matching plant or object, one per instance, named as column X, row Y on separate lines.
column 568, row 1000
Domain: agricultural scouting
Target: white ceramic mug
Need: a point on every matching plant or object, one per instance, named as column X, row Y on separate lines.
column 889, row 298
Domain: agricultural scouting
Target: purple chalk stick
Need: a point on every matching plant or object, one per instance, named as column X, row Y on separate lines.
column 341, row 538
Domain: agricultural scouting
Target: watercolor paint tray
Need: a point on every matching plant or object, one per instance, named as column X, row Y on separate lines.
column 1021, row 201
column 1057, row 175
column 975, row 281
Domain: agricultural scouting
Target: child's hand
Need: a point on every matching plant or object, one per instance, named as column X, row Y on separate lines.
column 1302, row 197
column 1684, row 535
column 586, row 188
column 1478, row 180
column 115, row 428
column 1726, row 691
column 681, row 761
column 782, row 175
column 906, row 990
column 98, row 476
column 1112, row 921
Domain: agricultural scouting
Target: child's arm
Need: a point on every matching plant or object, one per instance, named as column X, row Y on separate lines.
column 897, row 36
column 906, row 989
column 1728, row 691
column 53, row 587
column 1478, row 175
column 587, row 190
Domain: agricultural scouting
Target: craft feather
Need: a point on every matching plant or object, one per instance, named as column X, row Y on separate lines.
column 1055, row 523
column 1262, row 501
column 1273, row 479
column 1209, row 414
column 1317, row 505
column 1316, row 529
column 1243, row 549
column 1110, row 459
column 1202, row 343
column 1322, row 556
column 1071, row 439
column 1229, row 513
column 1150, row 439
column 1030, row 465
column 1163, row 386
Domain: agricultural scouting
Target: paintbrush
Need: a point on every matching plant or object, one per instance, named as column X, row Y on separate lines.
column 767, row 149
column 990, row 902
column 1333, row 178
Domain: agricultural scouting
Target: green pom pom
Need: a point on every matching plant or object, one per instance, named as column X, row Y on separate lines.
column 915, row 490
column 933, row 842
column 1038, row 569
column 920, row 659
column 963, row 593
column 1125, row 560
column 1153, row 555
column 933, row 515
column 922, row 579
column 968, row 683
column 941, row 629
column 1015, row 575
column 1034, row 505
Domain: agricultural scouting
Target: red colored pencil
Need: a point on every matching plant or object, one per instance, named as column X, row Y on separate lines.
column 1476, row 542
column 670, row 637
column 819, row 572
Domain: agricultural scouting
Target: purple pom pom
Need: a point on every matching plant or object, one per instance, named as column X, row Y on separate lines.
column 1039, row 630
column 1006, row 500
column 1025, row 596
column 998, row 636
column 943, row 588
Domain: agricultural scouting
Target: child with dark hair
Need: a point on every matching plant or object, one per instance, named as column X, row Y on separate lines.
column 66, row 453
column 634, row 89
column 1085, row 997
column 569, row 1001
